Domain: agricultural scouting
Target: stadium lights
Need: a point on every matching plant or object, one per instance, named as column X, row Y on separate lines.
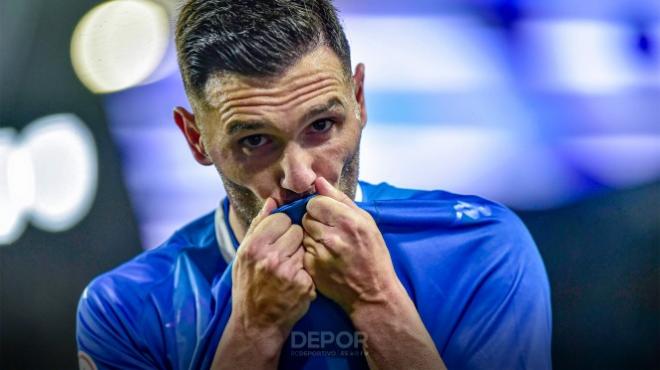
column 119, row 44
column 48, row 175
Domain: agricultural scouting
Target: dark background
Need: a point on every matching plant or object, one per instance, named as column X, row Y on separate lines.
column 43, row 274
column 601, row 253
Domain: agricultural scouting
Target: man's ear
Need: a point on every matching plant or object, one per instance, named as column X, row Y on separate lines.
column 186, row 123
column 358, row 84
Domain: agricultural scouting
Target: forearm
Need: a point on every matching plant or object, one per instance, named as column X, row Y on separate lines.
column 394, row 335
column 241, row 348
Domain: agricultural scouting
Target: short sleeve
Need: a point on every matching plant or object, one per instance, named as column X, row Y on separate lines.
column 508, row 322
column 108, row 331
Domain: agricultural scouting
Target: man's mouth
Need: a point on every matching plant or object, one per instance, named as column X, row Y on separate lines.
column 290, row 198
column 296, row 209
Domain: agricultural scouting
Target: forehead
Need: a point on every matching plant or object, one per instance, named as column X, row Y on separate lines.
column 319, row 70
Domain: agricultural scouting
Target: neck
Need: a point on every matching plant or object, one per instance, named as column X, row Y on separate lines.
column 236, row 225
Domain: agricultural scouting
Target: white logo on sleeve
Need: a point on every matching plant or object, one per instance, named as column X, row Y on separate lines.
column 473, row 211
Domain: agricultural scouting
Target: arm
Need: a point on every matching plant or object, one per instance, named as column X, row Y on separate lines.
column 349, row 262
column 241, row 348
column 270, row 293
column 395, row 337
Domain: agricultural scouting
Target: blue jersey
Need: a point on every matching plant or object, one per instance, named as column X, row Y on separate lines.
column 468, row 264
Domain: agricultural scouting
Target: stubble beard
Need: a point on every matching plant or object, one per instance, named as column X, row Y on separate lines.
column 247, row 205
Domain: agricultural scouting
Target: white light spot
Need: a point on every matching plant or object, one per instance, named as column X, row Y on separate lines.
column 48, row 174
column 64, row 160
column 118, row 44
column 12, row 211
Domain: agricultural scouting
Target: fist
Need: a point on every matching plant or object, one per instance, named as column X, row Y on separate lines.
column 345, row 253
column 271, row 290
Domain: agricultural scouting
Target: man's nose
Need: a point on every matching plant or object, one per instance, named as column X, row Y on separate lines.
column 298, row 175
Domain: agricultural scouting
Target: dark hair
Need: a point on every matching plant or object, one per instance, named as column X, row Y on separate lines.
column 255, row 38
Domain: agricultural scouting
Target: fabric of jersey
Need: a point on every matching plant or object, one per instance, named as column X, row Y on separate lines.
column 469, row 265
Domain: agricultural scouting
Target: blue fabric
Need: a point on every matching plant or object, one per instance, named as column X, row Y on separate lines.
column 469, row 265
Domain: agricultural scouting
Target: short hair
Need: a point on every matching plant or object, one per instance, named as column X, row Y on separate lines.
column 253, row 38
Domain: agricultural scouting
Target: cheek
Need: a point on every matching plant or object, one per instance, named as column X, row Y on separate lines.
column 252, row 176
column 330, row 159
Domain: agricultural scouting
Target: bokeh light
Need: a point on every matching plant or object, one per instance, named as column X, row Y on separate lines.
column 119, row 44
column 49, row 175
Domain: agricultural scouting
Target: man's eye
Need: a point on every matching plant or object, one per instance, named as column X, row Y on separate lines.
column 322, row 126
column 254, row 141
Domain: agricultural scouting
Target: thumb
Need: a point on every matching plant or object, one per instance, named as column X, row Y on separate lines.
column 266, row 210
column 323, row 187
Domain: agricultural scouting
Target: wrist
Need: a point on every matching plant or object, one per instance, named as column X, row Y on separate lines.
column 388, row 305
column 267, row 340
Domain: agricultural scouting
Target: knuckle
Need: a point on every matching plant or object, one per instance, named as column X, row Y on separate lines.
column 366, row 215
column 247, row 252
column 268, row 264
column 346, row 222
column 331, row 241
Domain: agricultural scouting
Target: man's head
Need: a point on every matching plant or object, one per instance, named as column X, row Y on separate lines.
column 274, row 102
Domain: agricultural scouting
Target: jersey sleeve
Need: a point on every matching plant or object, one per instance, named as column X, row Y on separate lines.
column 507, row 323
column 108, row 331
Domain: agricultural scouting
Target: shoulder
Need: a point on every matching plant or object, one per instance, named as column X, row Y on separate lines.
column 460, row 227
column 452, row 209
column 124, row 292
column 478, row 258
column 120, row 312
column 135, row 277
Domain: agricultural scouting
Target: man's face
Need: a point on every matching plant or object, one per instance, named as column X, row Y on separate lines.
column 274, row 137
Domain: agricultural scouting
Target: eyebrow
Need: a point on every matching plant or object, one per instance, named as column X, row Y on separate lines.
column 323, row 108
column 237, row 125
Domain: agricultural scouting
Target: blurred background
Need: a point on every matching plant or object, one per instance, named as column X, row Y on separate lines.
column 551, row 107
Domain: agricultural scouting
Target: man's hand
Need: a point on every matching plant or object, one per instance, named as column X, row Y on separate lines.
column 270, row 292
column 347, row 257
column 345, row 252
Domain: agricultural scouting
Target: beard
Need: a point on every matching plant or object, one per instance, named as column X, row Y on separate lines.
column 247, row 205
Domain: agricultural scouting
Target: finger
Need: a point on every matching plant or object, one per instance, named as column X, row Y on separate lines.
column 323, row 187
column 302, row 278
column 290, row 241
column 295, row 261
column 315, row 228
column 266, row 209
column 309, row 263
column 317, row 249
column 328, row 211
column 272, row 227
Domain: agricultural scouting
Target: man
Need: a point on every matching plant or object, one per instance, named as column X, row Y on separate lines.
column 372, row 277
